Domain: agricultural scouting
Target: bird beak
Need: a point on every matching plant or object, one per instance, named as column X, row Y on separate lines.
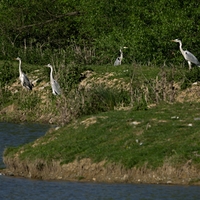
column 173, row 41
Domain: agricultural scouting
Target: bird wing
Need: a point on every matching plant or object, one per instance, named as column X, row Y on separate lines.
column 117, row 62
column 26, row 82
column 190, row 57
column 56, row 87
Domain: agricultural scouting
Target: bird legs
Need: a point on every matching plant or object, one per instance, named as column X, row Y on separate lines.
column 190, row 65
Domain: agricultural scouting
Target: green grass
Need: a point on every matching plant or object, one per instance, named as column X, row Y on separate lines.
column 147, row 73
column 125, row 71
column 163, row 135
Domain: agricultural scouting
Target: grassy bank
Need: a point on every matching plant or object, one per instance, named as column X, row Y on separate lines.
column 165, row 135
column 128, row 118
column 87, row 89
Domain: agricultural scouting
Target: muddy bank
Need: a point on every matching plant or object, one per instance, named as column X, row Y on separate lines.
column 85, row 170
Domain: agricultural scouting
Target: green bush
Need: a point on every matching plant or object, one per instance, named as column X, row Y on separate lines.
column 101, row 99
column 27, row 100
column 190, row 77
column 92, row 32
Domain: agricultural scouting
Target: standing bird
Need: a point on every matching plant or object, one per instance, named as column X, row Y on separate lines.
column 189, row 57
column 23, row 78
column 118, row 61
column 54, row 84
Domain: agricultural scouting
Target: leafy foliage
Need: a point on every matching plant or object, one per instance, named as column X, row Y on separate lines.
column 101, row 99
column 191, row 77
column 91, row 32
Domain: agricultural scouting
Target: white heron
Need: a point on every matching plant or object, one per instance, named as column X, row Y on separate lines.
column 189, row 57
column 54, row 84
column 23, row 78
column 118, row 61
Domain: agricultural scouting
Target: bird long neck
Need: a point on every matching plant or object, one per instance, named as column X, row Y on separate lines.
column 20, row 70
column 51, row 73
column 180, row 47
column 121, row 54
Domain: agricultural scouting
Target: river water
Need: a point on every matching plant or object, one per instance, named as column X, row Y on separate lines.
column 22, row 188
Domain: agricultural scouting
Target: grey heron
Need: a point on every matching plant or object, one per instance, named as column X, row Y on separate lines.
column 118, row 61
column 189, row 57
column 23, row 78
column 54, row 84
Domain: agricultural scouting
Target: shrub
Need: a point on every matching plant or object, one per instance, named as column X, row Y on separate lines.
column 190, row 77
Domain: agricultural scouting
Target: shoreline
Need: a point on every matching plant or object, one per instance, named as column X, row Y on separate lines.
column 86, row 171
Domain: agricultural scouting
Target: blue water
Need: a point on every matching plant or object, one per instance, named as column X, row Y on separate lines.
column 21, row 188
column 12, row 134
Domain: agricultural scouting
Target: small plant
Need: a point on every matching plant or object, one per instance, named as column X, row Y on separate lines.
column 101, row 98
column 191, row 76
column 28, row 101
column 86, row 101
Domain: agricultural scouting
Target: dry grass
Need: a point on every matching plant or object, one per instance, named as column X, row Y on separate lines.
column 191, row 94
column 91, row 120
column 86, row 170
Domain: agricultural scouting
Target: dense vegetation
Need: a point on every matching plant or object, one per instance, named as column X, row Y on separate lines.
column 91, row 32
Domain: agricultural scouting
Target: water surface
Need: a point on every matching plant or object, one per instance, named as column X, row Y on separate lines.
column 14, row 188
column 12, row 134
